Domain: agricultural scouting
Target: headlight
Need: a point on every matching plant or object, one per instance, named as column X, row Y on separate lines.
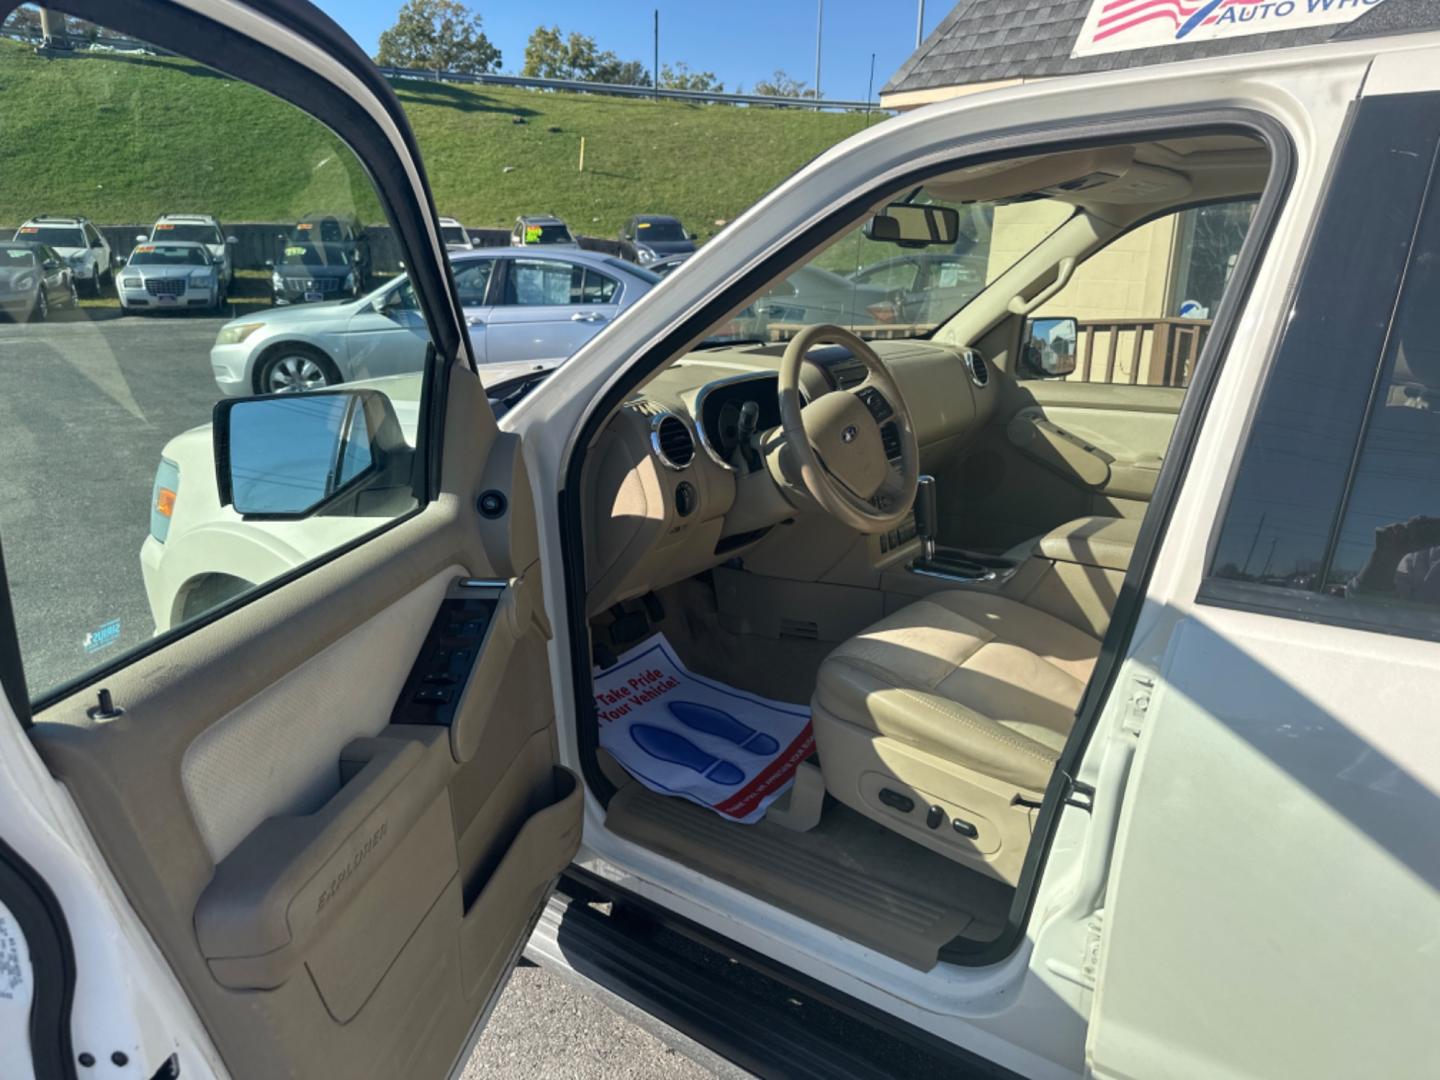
column 645, row 255
column 132, row 283
column 350, row 280
column 26, row 281
column 235, row 333
column 202, row 276
column 277, row 281
column 162, row 498
column 78, row 259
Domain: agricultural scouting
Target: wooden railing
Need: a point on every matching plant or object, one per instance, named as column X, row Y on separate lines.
column 1139, row 352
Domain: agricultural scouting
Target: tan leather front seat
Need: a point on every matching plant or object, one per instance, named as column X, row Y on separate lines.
column 960, row 701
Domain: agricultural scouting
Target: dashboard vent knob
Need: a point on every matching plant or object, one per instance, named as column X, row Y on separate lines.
column 979, row 370
column 672, row 442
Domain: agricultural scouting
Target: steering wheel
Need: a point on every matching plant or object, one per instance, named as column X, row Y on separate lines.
column 837, row 441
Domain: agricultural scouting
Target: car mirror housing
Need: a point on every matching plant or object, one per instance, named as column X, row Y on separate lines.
column 289, row 456
column 1049, row 349
column 915, row 225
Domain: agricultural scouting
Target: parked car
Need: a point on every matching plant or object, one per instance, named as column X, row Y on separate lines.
column 1111, row 755
column 669, row 264
column 926, row 286
column 324, row 257
column 33, row 280
column 82, row 246
column 816, row 294
column 655, row 236
column 455, row 236
column 541, row 230
column 519, row 305
column 171, row 275
column 200, row 229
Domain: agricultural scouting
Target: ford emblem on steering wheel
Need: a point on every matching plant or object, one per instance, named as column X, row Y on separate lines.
column 848, row 435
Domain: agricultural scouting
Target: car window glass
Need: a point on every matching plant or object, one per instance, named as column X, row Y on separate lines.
column 899, row 274
column 539, row 282
column 472, row 278
column 111, row 511
column 598, row 288
column 1144, row 303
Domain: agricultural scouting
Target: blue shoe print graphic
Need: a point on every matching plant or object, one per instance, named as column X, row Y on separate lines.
column 722, row 725
column 678, row 750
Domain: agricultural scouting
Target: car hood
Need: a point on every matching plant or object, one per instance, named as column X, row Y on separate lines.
column 304, row 315
column 667, row 247
column 164, row 271
column 324, row 270
column 68, row 252
column 402, row 390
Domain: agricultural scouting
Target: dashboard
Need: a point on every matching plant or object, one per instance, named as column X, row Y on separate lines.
column 692, row 469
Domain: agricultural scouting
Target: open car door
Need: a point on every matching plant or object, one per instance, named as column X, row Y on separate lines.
column 305, row 721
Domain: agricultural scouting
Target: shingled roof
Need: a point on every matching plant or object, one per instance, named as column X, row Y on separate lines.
column 985, row 41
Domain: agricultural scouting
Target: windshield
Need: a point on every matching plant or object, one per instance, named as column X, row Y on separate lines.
column 54, row 235
column 324, row 231
column 303, row 254
column 453, row 234
column 880, row 289
column 15, row 255
column 200, row 234
column 169, row 255
column 548, row 234
column 661, row 232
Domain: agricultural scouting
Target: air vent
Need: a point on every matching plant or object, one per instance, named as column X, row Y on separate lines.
column 979, row 370
column 890, row 436
column 802, row 629
column 672, row 442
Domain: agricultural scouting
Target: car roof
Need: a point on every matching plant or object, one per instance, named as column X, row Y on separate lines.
column 656, row 217
column 206, row 219
column 540, row 219
column 55, row 219
column 579, row 255
column 450, row 221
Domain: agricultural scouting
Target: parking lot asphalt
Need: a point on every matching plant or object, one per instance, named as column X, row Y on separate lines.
column 87, row 402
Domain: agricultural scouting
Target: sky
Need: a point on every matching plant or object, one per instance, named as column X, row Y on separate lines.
column 741, row 41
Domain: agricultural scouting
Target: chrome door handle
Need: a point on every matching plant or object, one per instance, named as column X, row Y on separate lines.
column 587, row 316
column 474, row 320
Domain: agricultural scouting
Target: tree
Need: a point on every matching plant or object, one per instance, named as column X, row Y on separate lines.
column 550, row 55
column 609, row 68
column 782, row 85
column 680, row 77
column 441, row 35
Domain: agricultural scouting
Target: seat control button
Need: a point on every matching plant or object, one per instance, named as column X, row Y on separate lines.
column 935, row 817
column 965, row 829
column 896, row 801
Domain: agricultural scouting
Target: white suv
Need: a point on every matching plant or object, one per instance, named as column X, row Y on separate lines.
column 76, row 241
column 200, row 229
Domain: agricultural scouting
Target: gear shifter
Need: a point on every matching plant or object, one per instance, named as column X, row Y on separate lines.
column 925, row 517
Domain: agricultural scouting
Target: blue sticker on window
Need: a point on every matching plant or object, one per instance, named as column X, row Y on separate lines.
column 105, row 635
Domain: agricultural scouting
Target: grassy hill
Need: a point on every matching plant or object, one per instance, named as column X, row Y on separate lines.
column 123, row 139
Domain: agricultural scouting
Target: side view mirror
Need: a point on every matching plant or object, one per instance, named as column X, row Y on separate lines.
column 289, row 456
column 98, row 242
column 51, row 264
column 1049, row 348
column 141, row 238
column 915, row 225
column 232, row 240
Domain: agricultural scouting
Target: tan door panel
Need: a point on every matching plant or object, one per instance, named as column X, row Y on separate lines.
column 341, row 894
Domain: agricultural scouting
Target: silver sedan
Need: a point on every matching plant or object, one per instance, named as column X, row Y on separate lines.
column 520, row 306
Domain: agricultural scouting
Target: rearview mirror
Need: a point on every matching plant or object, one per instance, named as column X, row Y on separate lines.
column 289, row 456
column 1049, row 349
column 913, row 225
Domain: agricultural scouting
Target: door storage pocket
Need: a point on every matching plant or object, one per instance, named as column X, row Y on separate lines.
column 543, row 846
